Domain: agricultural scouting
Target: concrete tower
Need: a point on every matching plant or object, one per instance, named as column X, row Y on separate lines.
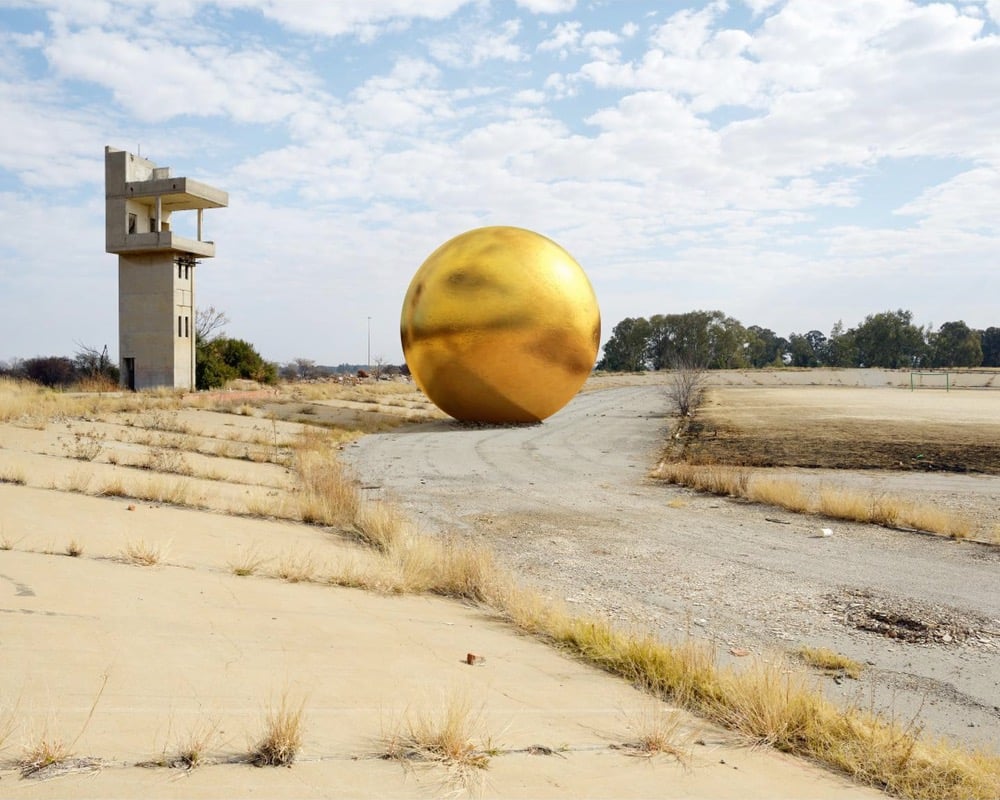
column 156, row 267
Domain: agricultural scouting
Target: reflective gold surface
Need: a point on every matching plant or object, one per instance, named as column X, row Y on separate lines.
column 500, row 325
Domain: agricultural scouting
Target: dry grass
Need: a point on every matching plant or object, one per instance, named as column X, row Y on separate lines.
column 380, row 525
column 74, row 549
column 193, row 749
column 329, row 495
column 830, row 661
column 13, row 475
column 659, row 730
column 936, row 520
column 716, row 479
column 297, row 568
column 247, row 563
column 782, row 493
column 114, row 487
column 832, row 502
column 141, row 553
column 445, row 736
column 78, row 481
column 46, row 751
column 281, row 738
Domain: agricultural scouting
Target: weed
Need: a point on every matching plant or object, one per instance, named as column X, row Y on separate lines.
column 74, row 549
column 141, row 554
column 712, row 478
column 247, row 563
column 112, row 488
column 659, row 730
column 192, row 750
column 15, row 476
column 297, row 568
column 281, row 738
column 79, row 481
column 830, row 661
column 445, row 738
column 45, row 752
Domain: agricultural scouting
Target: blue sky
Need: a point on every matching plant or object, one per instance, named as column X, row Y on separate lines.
column 790, row 163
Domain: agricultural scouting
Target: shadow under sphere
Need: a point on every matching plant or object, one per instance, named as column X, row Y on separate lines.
column 500, row 325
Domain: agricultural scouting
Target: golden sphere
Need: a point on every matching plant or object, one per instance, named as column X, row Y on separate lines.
column 500, row 325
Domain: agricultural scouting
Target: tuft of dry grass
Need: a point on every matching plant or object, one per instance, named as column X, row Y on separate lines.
column 281, row 738
column 247, row 563
column 46, row 751
column 444, row 737
column 379, row 524
column 78, row 481
column 193, row 749
column 830, row 661
column 141, row 554
column 114, row 487
column 297, row 568
column 12, row 475
column 74, row 549
column 659, row 730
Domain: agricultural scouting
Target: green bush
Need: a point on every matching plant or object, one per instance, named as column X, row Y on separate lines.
column 224, row 359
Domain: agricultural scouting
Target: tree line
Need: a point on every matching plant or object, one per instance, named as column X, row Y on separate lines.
column 712, row 340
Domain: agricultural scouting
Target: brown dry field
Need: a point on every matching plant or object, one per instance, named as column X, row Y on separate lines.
column 847, row 428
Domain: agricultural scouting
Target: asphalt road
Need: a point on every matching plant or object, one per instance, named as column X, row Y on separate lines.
column 568, row 506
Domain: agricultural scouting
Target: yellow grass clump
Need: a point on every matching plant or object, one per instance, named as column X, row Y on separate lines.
column 786, row 494
column 830, row 661
column 281, row 739
column 717, row 479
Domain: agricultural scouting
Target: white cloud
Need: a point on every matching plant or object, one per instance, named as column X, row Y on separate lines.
column 156, row 80
column 547, row 6
column 469, row 46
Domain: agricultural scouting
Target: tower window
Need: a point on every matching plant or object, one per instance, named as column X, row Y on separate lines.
column 132, row 221
column 179, row 325
column 187, row 322
column 179, row 269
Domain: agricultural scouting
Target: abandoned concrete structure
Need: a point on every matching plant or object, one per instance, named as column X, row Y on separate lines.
column 156, row 267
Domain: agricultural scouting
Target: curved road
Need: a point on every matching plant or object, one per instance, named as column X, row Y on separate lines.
column 566, row 504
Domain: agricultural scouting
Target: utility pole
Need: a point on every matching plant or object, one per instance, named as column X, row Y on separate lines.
column 368, row 365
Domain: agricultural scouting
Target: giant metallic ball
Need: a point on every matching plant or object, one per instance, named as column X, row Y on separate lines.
column 500, row 325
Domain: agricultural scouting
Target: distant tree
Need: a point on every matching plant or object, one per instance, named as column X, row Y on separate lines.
column 49, row 370
column 95, row 364
column 989, row 340
column 807, row 349
column 890, row 339
column 698, row 338
column 765, row 348
column 305, row 368
column 625, row 350
column 840, row 348
column 956, row 345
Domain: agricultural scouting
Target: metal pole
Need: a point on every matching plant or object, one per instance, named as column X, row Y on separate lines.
column 369, row 364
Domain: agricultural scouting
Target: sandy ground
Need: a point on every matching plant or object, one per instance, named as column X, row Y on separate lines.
column 569, row 507
column 123, row 663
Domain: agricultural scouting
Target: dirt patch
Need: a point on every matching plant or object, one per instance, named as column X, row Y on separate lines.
column 912, row 622
column 845, row 428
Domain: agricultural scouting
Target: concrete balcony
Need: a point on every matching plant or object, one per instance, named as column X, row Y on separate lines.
column 164, row 241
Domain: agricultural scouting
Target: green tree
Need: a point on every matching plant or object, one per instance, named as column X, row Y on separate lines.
column 956, row 345
column 989, row 340
column 224, row 359
column 891, row 340
column 698, row 339
column 625, row 351
column 765, row 348
column 840, row 348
